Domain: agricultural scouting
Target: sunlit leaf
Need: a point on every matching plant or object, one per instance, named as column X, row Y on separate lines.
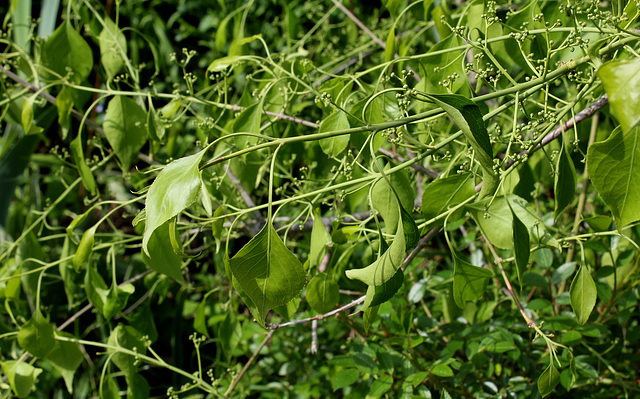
column 390, row 48
column 21, row 376
column 176, row 187
column 445, row 193
column 113, row 45
column 67, row 49
column 384, row 199
column 267, row 272
column 583, row 294
column 621, row 81
column 614, row 169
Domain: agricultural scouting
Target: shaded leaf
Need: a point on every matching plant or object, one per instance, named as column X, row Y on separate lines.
column 381, row 385
column 614, row 169
column 621, row 81
column 36, row 336
column 267, row 272
column 469, row 281
column 411, row 231
column 161, row 256
column 333, row 146
column 176, row 187
column 129, row 338
column 521, row 245
column 77, row 154
column 548, row 380
column 248, row 122
column 323, row 293
column 344, row 378
column 445, row 193
column 113, row 45
column 67, row 49
column 565, row 182
column 66, row 357
column 583, row 294
column 377, row 295
column 125, row 126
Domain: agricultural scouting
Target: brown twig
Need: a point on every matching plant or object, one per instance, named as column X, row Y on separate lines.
column 248, row 364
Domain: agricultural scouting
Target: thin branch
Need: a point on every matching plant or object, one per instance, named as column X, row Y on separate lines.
column 245, row 195
column 248, row 364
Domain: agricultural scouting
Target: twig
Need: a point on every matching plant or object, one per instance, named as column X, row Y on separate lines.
column 431, row 173
column 248, row 364
column 245, row 196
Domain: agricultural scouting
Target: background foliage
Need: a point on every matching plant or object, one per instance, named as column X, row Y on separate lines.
column 308, row 198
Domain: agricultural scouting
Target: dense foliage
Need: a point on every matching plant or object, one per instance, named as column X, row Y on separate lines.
column 314, row 199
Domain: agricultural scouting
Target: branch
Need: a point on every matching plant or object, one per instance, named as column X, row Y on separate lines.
column 248, row 364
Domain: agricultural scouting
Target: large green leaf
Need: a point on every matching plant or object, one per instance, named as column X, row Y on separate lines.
column 125, row 126
column 583, row 294
column 614, row 169
column 621, row 81
column 67, row 49
column 565, row 181
column 521, row 245
column 386, row 266
column 441, row 65
column 333, row 146
column 469, row 281
column 268, row 273
column 113, row 45
column 468, row 117
column 443, row 194
column 176, row 187
column 129, row 338
column 248, row 122
column 161, row 256
column 66, row 357
column 379, row 294
column 36, row 335
column 386, row 202
column 323, row 293
column 496, row 220
column 21, row 376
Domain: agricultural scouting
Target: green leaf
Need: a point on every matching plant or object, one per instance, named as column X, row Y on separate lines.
column 442, row 370
column 521, row 245
column 583, row 294
column 614, row 169
column 344, row 378
column 442, row 194
column 320, row 240
column 621, row 81
column 223, row 63
column 468, row 117
column 386, row 266
column 411, row 231
column 323, row 293
column 129, row 338
column 27, row 116
column 113, row 48
column 85, row 248
column 66, row 357
column 22, row 376
column 36, row 336
column 441, row 64
column 95, row 288
column 248, row 122
column 229, row 333
column 77, row 154
column 390, row 48
column 565, row 182
column 333, row 146
column 469, row 281
column 109, row 388
column 116, row 299
column 125, row 126
column 492, row 222
column 548, row 380
column 267, row 272
column 377, row 295
column 200, row 320
column 381, row 385
column 176, row 187
column 385, row 201
column 161, row 257
column 64, row 103
column 67, row 49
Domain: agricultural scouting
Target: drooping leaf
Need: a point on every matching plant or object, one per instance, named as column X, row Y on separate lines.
column 267, row 272
column 67, row 49
column 320, row 240
column 411, row 231
column 66, row 357
column 377, row 295
column 36, row 335
column 614, row 169
column 85, row 249
column 333, row 146
column 469, row 281
column 113, row 48
column 565, row 182
column 386, row 202
column 390, row 48
column 21, row 376
column 176, row 187
column 443, row 194
column 77, row 154
column 468, row 117
column 621, row 81
column 323, row 293
column 548, row 380
column 161, row 256
column 521, row 245
column 386, row 266
column 248, row 122
column 125, row 126
column 583, row 294
column 492, row 222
